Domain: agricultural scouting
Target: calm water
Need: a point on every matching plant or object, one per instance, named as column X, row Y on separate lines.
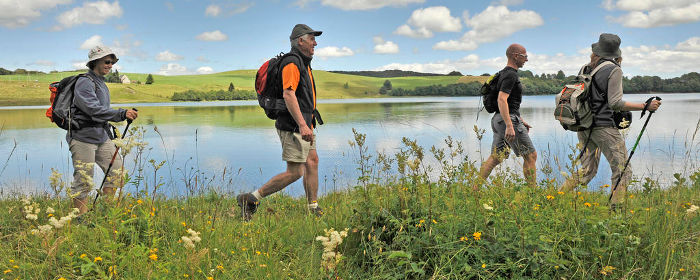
column 236, row 136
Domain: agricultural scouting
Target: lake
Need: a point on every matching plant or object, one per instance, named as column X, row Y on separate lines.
column 204, row 139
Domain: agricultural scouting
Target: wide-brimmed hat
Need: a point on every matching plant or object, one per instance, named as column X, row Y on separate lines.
column 608, row 46
column 98, row 52
column 301, row 30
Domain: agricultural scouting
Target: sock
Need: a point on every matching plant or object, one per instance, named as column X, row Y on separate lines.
column 257, row 195
column 313, row 205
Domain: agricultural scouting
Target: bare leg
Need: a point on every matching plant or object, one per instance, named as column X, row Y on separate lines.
column 311, row 177
column 486, row 168
column 530, row 168
column 81, row 204
column 294, row 171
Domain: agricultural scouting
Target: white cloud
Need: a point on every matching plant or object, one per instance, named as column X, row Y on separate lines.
column 384, row 47
column 79, row 65
column 173, row 69
column 205, row 70
column 91, row 13
column 349, row 5
column 327, row 52
column 510, row 2
column 654, row 13
column 168, row 56
column 406, row 30
column 667, row 61
column 212, row 36
column 128, row 46
column 423, row 22
column 682, row 58
column 19, row 13
column 492, row 24
column 91, row 42
column 212, row 11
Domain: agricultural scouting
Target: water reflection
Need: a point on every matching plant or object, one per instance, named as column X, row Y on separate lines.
column 238, row 137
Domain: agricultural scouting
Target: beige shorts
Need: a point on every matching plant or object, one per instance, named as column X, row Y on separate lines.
column 295, row 149
column 84, row 156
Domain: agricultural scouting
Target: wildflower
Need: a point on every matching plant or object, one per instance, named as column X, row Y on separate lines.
column 257, row 253
column 692, row 209
column 97, row 259
column 61, row 278
column 263, row 265
column 477, row 235
column 483, row 265
column 50, row 210
column 139, row 201
column 560, row 193
column 681, row 269
column 607, row 270
column 220, row 267
column 537, row 207
column 434, row 222
column 153, row 257
column 587, row 204
column 183, row 224
column 605, row 186
column 186, row 275
column 210, row 278
column 463, row 238
column 83, row 255
column 7, row 271
column 190, row 240
column 487, row 207
column 550, row 197
column 330, row 241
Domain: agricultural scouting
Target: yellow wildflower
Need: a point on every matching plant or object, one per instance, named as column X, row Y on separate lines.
column 153, row 257
column 477, row 235
column 83, row 255
column 257, row 252
column 434, row 222
column 587, row 204
column 681, row 269
column 263, row 265
column 220, row 267
column 186, row 275
column 7, row 271
column 607, row 270
column 61, row 278
column 210, row 278
column 139, row 201
column 560, row 193
column 483, row 265
column 184, row 224
column 97, row 259
column 537, row 207
column 550, row 197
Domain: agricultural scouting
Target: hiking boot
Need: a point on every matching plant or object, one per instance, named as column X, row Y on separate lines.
column 248, row 204
column 318, row 211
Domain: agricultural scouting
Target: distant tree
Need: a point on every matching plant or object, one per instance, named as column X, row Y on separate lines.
column 346, row 86
column 4, row 71
column 455, row 73
column 387, row 85
column 525, row 74
column 20, row 71
column 230, row 87
column 382, row 90
column 113, row 77
column 485, row 75
column 149, row 79
column 560, row 75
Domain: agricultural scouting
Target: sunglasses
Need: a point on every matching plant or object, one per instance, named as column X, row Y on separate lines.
column 523, row 55
column 108, row 62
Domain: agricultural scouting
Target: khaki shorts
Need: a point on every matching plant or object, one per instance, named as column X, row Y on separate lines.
column 521, row 145
column 84, row 156
column 294, row 148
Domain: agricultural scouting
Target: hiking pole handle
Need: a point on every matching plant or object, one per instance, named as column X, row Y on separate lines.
column 646, row 105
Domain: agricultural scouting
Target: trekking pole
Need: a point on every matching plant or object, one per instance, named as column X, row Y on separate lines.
column 646, row 106
column 114, row 156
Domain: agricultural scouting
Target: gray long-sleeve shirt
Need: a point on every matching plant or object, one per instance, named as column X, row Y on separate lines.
column 606, row 96
column 92, row 103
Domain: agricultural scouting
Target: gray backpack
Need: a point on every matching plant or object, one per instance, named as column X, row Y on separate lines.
column 573, row 106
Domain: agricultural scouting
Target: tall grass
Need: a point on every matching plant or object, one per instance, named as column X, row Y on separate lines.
column 406, row 219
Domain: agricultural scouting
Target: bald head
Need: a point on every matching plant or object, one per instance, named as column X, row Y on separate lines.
column 514, row 49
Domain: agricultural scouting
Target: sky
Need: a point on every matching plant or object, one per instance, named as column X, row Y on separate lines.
column 659, row 37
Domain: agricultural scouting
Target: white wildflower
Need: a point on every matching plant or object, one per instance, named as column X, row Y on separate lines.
column 487, row 207
column 190, row 240
column 32, row 217
column 45, row 229
column 50, row 210
column 692, row 209
column 330, row 241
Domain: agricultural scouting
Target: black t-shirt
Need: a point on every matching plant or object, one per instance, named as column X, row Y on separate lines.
column 510, row 83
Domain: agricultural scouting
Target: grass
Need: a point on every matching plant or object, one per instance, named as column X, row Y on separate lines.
column 33, row 89
column 405, row 220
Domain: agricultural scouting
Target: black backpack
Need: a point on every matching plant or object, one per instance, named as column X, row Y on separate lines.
column 489, row 93
column 60, row 112
column 268, row 85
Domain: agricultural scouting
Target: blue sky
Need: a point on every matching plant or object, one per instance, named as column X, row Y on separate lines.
column 659, row 37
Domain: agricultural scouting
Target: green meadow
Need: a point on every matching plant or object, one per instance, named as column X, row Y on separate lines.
column 402, row 219
column 33, row 89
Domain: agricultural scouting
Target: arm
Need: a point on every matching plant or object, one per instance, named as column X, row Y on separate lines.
column 290, row 99
column 505, row 114
column 615, row 95
column 86, row 100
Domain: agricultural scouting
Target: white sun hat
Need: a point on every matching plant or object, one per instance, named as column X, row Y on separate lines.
column 99, row 51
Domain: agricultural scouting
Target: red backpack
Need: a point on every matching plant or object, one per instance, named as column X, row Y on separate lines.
column 268, row 85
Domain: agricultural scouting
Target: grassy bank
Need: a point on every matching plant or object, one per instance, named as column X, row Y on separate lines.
column 33, row 89
column 404, row 219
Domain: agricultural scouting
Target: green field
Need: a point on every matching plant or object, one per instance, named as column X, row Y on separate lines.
column 400, row 225
column 33, row 89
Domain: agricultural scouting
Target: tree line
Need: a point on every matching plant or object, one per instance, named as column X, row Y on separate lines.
column 215, row 95
column 544, row 84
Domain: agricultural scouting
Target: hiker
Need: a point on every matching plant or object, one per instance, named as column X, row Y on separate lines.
column 510, row 131
column 92, row 142
column 294, row 126
column 606, row 98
